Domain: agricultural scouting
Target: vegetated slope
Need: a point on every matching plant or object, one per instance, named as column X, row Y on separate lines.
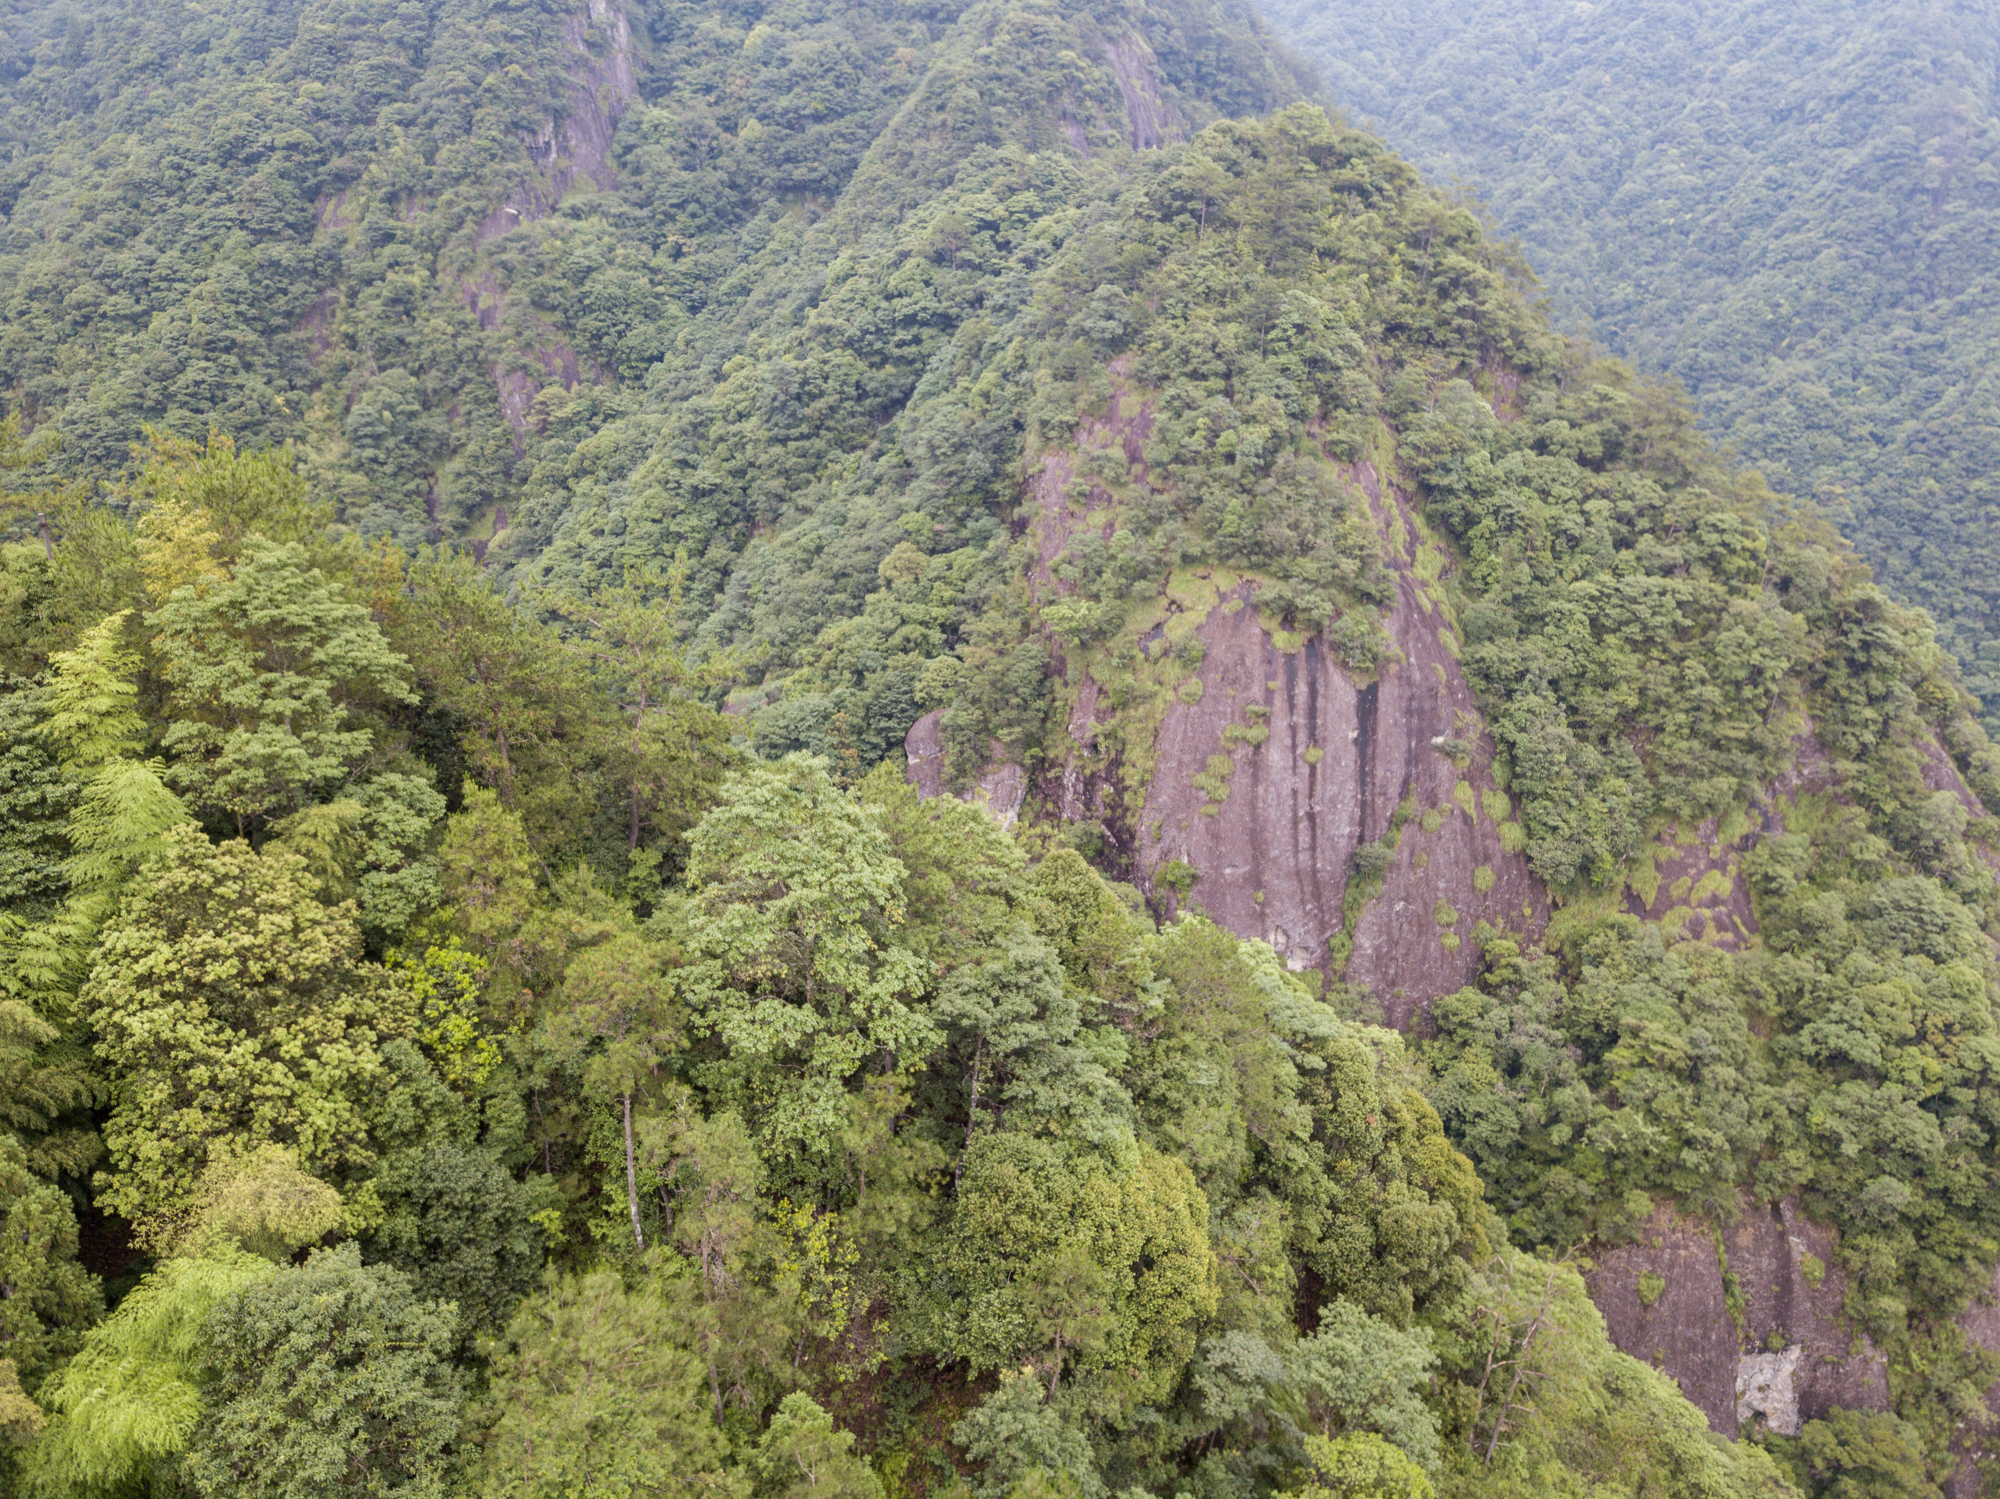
column 866, row 1146
column 584, row 284
column 333, row 910
column 383, row 232
column 1226, row 485
column 1786, row 204
column 1376, row 608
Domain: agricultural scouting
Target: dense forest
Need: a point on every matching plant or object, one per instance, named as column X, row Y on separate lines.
column 1786, row 205
column 654, row 1119
column 484, row 1010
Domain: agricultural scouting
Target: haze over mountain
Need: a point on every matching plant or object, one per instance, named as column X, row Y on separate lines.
column 1789, row 205
column 779, row 751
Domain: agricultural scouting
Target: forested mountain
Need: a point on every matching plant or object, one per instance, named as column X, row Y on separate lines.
column 919, row 751
column 1789, row 205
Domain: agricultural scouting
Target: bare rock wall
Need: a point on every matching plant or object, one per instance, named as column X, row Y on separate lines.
column 1783, row 1355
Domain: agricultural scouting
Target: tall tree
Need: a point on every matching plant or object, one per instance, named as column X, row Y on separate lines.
column 233, row 1007
column 592, row 1392
column 118, row 811
column 730, row 1310
column 270, row 668
column 794, row 967
column 803, row 1455
column 674, row 751
column 46, row 1298
column 530, row 722
column 454, row 1217
column 201, row 504
column 616, row 1003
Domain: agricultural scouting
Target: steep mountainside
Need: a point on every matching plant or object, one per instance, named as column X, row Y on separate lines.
column 1487, row 898
column 1377, row 612
column 1787, row 205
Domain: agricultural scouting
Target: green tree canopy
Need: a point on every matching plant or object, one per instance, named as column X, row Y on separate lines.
column 592, row 1391
column 269, row 668
column 236, row 1008
column 327, row 1378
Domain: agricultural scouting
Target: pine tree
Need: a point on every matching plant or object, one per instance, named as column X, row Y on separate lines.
column 593, row 1392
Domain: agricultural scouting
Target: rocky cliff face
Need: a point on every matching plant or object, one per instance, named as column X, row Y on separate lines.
column 1272, row 777
column 1747, row 1319
column 1353, row 823
column 571, row 152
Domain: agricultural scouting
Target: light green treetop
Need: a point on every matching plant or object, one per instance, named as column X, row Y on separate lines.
column 592, row 1392
column 796, row 898
column 234, row 1007
column 124, row 1408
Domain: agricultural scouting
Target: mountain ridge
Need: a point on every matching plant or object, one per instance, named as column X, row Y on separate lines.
column 1779, row 205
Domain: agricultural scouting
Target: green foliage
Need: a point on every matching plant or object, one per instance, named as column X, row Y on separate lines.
column 91, row 714
column 1858, row 1455
column 1812, row 275
column 726, row 1307
column 803, row 1456
column 45, row 1081
column 676, row 750
column 1015, row 1437
column 454, row 1217
column 617, row 1005
column 553, row 728
column 21, row 1420
column 853, row 1124
column 1356, row 1373
column 35, row 798
column 1525, row 1068
column 1599, row 1418
column 1349, row 1467
column 46, row 1298
column 446, row 984
column 592, row 1392
column 237, row 1009
column 1031, row 1066
column 1137, row 1227
column 259, row 1202
column 204, row 506
column 266, row 669
column 125, row 1408
column 794, row 894
column 327, row 1378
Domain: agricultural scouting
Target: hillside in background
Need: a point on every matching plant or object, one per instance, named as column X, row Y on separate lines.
column 1788, row 205
column 538, row 530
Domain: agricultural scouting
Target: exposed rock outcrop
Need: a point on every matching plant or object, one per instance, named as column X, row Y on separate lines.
column 1977, row 1447
column 1001, row 789
column 1781, row 1355
column 569, row 152
column 573, row 147
column 1273, row 838
column 1274, row 764
column 1150, row 122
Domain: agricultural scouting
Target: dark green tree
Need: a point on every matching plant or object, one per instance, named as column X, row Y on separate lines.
column 328, row 1378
